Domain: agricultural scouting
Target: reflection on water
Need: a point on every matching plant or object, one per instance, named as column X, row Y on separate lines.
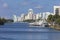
column 22, row 31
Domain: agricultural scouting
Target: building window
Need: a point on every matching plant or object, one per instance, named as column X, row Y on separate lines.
column 57, row 11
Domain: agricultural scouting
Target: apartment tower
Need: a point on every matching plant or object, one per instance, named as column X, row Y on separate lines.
column 57, row 10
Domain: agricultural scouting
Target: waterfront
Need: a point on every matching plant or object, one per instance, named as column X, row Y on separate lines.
column 22, row 31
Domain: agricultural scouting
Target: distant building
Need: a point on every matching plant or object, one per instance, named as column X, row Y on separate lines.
column 46, row 14
column 40, row 15
column 15, row 18
column 57, row 10
column 29, row 15
column 22, row 17
column 34, row 16
column 19, row 19
column 26, row 17
column 37, row 16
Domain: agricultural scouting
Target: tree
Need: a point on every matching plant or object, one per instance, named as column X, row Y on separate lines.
column 1, row 21
column 58, row 21
column 50, row 18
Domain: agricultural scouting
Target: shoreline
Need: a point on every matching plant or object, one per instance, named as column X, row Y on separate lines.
column 55, row 27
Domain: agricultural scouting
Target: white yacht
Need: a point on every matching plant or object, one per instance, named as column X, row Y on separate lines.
column 39, row 23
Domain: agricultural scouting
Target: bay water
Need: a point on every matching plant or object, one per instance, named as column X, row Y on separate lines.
column 23, row 31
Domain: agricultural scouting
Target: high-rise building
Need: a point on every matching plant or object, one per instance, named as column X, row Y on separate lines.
column 57, row 10
column 37, row 16
column 19, row 19
column 30, row 14
column 22, row 17
column 34, row 16
column 46, row 14
column 15, row 18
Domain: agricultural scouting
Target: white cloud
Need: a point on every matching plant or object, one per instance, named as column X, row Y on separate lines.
column 38, row 7
column 5, row 5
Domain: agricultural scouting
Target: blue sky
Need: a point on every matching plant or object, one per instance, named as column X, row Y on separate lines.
column 10, row 7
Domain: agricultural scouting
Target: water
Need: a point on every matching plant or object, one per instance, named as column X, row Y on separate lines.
column 22, row 31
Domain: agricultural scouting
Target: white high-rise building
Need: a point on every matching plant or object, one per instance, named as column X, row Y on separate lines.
column 22, row 17
column 43, row 15
column 30, row 13
column 37, row 16
column 15, row 18
column 29, row 16
column 57, row 10
column 19, row 19
column 46, row 14
column 40, row 15
column 34, row 16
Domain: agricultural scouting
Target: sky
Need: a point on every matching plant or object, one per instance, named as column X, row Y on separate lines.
column 8, row 8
